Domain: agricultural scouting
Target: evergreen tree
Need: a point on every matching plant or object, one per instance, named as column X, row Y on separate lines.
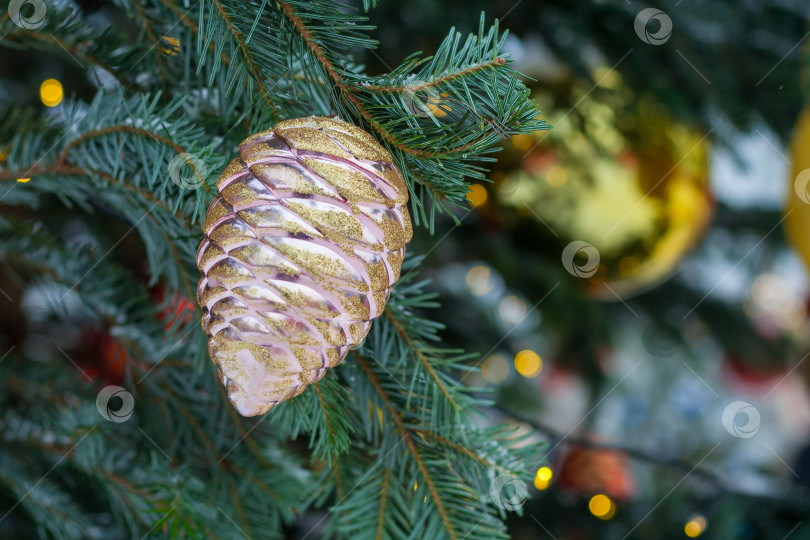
column 387, row 445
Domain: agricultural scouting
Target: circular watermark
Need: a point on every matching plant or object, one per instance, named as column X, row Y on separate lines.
column 661, row 339
column 508, row 492
column 642, row 24
column 105, row 408
column 28, row 14
column 800, row 185
column 751, row 425
column 424, row 100
column 586, row 269
column 198, row 171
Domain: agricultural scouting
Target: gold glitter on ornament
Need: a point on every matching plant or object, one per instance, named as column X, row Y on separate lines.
column 301, row 249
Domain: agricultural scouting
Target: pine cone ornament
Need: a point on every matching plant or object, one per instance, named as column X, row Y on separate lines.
column 302, row 246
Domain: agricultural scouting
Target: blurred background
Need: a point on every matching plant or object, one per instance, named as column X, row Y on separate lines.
column 634, row 280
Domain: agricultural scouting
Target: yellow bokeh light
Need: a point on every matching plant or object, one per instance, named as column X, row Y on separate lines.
column 601, row 506
column 522, row 141
column 528, row 363
column 479, row 280
column 23, row 180
column 695, row 527
column 477, row 195
column 543, row 478
column 495, row 369
column 50, row 92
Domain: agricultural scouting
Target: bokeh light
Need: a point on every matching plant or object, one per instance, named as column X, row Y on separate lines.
column 695, row 526
column 477, row 195
column 479, row 280
column 601, row 506
column 543, row 478
column 50, row 92
column 495, row 369
column 512, row 309
column 528, row 363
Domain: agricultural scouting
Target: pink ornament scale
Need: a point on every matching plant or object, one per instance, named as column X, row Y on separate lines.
column 302, row 246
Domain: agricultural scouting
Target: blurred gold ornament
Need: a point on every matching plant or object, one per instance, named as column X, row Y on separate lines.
column 301, row 249
column 797, row 207
column 641, row 200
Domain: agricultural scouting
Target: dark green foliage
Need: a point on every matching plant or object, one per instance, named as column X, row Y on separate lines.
column 185, row 465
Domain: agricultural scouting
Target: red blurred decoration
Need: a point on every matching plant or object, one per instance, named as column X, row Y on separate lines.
column 590, row 471
column 749, row 379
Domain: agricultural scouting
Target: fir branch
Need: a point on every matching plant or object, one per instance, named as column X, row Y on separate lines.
column 336, row 77
column 412, row 448
column 154, row 49
column 129, row 130
column 500, row 61
column 247, row 57
column 383, row 504
column 421, row 356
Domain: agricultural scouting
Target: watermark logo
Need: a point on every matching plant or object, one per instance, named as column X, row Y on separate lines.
column 28, row 14
column 508, row 492
column 661, row 339
column 198, row 171
column 642, row 26
column 586, row 269
column 732, row 413
column 105, row 407
column 424, row 100
column 800, row 185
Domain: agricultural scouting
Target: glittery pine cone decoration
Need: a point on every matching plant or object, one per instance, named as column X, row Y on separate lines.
column 301, row 248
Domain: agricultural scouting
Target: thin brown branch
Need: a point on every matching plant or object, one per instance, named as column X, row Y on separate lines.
column 458, row 448
column 346, row 91
column 497, row 62
column 134, row 131
column 65, row 167
column 76, row 51
column 411, row 444
column 191, row 25
column 164, row 79
column 383, row 503
column 421, row 356
column 251, row 65
column 329, row 426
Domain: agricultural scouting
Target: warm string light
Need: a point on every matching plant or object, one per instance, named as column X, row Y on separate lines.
column 479, row 280
column 543, row 478
column 495, row 369
column 695, row 526
column 602, row 507
column 477, row 195
column 528, row 363
column 50, row 92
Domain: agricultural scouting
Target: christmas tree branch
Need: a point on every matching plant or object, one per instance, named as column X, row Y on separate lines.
column 247, row 57
column 155, row 49
column 421, row 356
column 409, row 442
column 413, row 88
column 383, row 504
